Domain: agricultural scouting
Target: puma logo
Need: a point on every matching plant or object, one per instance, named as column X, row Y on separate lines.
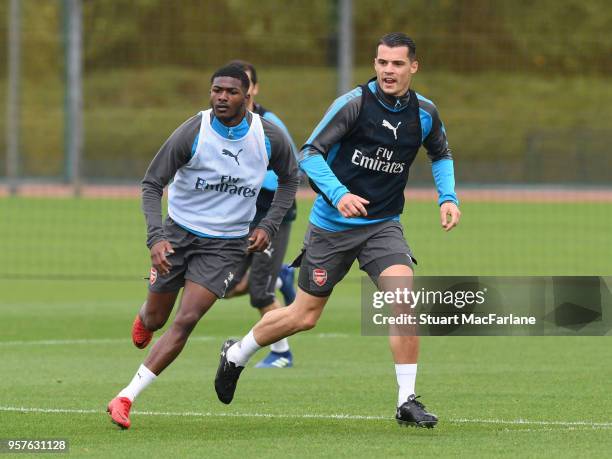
column 229, row 153
column 388, row 125
column 269, row 251
column 230, row 276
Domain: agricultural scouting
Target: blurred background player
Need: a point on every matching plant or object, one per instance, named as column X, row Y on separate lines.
column 359, row 157
column 216, row 161
column 267, row 271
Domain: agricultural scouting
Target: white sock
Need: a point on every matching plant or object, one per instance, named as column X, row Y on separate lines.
column 280, row 346
column 279, row 283
column 406, row 378
column 241, row 352
column 142, row 379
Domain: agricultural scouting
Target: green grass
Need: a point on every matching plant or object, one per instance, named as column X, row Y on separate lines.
column 104, row 238
column 548, row 379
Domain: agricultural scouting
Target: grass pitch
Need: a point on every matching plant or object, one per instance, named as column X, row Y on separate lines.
column 65, row 348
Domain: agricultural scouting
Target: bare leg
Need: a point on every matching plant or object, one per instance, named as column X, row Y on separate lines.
column 301, row 315
column 156, row 309
column 404, row 344
column 195, row 302
column 271, row 307
column 277, row 324
column 405, row 349
column 277, row 349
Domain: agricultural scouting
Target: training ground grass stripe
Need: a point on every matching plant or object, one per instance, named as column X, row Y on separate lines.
column 350, row 417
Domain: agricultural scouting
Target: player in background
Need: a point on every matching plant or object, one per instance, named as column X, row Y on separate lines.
column 358, row 158
column 267, row 272
column 217, row 161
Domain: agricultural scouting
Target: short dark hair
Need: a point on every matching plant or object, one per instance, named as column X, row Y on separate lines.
column 247, row 67
column 233, row 71
column 395, row 39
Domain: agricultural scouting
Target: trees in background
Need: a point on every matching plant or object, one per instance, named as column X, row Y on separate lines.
column 476, row 35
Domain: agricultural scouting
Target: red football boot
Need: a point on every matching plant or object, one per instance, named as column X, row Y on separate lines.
column 119, row 410
column 141, row 337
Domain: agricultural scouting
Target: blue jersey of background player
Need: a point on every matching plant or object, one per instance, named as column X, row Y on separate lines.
column 358, row 158
column 260, row 274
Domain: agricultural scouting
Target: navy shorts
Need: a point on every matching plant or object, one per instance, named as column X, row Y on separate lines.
column 265, row 267
column 328, row 255
column 209, row 262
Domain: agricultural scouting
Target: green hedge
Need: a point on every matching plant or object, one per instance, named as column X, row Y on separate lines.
column 128, row 114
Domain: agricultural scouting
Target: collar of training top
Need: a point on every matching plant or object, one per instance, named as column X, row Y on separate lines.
column 391, row 101
column 234, row 132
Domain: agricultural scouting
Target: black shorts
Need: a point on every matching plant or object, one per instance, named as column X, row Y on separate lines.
column 209, row 262
column 265, row 267
column 328, row 255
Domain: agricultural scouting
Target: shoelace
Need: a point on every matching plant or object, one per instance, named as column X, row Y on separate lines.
column 233, row 368
column 417, row 403
column 124, row 408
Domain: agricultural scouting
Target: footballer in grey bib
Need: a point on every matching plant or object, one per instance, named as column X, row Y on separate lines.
column 215, row 193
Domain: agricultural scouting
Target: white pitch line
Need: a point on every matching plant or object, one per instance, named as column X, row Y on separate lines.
column 351, row 417
column 557, row 429
column 532, row 423
column 94, row 341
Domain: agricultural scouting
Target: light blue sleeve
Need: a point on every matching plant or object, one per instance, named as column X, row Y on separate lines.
column 320, row 173
column 444, row 177
column 276, row 120
column 271, row 180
